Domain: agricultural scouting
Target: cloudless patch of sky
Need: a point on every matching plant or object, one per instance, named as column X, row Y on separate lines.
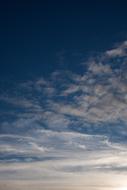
column 33, row 32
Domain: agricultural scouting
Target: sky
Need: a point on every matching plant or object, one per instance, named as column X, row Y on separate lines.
column 63, row 95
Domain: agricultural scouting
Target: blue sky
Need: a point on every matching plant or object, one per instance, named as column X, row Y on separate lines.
column 63, row 95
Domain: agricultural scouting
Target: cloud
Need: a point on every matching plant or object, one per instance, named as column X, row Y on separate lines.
column 69, row 125
column 119, row 51
column 95, row 97
column 99, row 68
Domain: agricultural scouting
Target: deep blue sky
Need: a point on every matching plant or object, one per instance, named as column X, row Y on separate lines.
column 34, row 33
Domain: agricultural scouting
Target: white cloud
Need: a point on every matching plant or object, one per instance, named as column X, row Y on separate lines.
column 119, row 51
column 41, row 143
column 97, row 96
column 99, row 68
